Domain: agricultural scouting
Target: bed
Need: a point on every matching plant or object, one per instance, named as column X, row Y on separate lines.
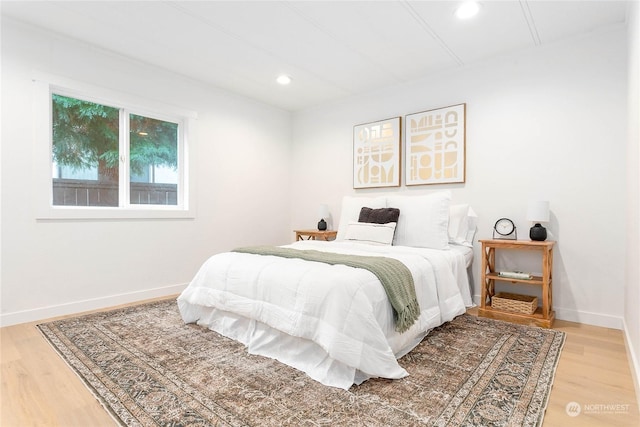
column 335, row 322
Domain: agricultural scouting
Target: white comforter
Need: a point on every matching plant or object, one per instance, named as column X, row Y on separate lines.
column 331, row 321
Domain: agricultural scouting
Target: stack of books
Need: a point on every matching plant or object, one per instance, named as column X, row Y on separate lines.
column 515, row 275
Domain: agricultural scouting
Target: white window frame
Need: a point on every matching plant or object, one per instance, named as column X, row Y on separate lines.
column 44, row 87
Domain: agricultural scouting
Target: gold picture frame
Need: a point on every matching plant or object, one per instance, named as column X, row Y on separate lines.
column 435, row 146
column 377, row 153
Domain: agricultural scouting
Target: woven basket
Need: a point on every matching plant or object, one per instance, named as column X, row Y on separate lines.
column 525, row 304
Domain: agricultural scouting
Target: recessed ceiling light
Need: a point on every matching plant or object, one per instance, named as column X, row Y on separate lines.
column 467, row 9
column 284, row 79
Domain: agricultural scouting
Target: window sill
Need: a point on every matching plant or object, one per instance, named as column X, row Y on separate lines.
column 88, row 213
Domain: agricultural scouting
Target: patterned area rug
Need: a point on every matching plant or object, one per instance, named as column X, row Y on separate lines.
column 148, row 368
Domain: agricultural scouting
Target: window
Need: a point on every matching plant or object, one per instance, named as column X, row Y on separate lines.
column 87, row 143
column 111, row 159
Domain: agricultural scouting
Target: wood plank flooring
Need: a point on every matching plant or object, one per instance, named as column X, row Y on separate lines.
column 39, row 389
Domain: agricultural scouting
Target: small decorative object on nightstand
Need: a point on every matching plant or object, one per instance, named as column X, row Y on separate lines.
column 504, row 228
column 323, row 212
column 538, row 212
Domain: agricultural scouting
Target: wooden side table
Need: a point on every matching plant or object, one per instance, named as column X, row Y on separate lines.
column 544, row 315
column 315, row 234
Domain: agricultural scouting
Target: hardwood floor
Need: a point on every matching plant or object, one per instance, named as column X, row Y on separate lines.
column 594, row 372
column 39, row 389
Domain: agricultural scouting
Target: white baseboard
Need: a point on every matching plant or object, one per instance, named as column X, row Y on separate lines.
column 588, row 318
column 42, row 313
column 634, row 363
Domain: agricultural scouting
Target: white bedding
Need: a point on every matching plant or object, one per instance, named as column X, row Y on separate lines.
column 331, row 321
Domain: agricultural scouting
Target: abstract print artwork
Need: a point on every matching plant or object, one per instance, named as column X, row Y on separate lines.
column 376, row 154
column 435, row 146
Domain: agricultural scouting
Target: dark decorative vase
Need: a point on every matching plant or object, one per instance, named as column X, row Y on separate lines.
column 322, row 225
column 538, row 233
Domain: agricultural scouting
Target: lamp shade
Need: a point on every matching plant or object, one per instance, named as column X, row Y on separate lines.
column 538, row 211
column 323, row 212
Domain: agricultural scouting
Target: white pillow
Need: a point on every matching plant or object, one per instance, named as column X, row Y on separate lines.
column 351, row 210
column 462, row 224
column 423, row 221
column 472, row 225
column 458, row 222
column 366, row 232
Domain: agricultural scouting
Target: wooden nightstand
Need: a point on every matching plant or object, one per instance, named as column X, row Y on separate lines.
column 315, row 234
column 544, row 315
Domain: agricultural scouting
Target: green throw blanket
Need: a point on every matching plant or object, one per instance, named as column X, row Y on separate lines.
column 393, row 274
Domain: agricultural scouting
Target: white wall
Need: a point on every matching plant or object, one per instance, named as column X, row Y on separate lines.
column 56, row 267
column 549, row 121
column 632, row 279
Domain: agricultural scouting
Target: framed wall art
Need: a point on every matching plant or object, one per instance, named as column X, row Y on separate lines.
column 376, row 154
column 435, row 146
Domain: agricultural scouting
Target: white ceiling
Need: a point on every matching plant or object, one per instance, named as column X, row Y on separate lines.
column 331, row 49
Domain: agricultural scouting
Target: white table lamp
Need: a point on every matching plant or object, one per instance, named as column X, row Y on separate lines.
column 323, row 212
column 537, row 212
